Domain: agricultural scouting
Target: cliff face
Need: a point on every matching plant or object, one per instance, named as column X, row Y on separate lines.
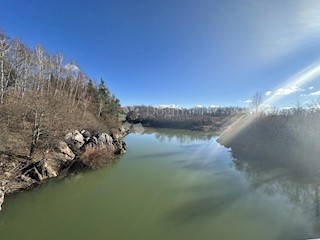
column 80, row 150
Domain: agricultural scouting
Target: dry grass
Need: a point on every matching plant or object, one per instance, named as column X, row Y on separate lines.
column 95, row 158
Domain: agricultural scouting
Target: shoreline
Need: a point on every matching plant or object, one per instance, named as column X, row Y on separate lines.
column 78, row 152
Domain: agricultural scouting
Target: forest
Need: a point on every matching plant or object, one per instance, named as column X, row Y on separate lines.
column 42, row 95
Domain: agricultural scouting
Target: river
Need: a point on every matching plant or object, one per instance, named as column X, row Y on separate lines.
column 173, row 185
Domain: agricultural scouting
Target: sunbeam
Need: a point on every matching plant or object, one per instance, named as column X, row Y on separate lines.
column 307, row 75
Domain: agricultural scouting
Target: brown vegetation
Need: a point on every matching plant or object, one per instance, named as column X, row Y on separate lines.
column 95, row 158
column 42, row 96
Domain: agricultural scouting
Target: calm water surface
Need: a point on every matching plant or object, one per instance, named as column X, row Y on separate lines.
column 171, row 184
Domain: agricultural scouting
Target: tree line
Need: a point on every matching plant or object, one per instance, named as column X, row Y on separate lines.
column 42, row 95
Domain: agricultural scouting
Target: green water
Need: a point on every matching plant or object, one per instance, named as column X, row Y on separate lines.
column 171, row 184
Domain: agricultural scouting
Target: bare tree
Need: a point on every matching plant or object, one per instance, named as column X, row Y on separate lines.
column 256, row 102
column 4, row 49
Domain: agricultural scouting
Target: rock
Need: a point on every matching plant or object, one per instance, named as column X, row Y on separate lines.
column 104, row 140
column 78, row 139
column 93, row 140
column 64, row 152
column 86, row 134
column 122, row 130
column 115, row 136
column 26, row 178
column 120, row 147
column 75, row 140
column 50, row 169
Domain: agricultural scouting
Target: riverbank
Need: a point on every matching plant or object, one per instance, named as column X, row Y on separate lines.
column 79, row 151
column 289, row 141
column 212, row 119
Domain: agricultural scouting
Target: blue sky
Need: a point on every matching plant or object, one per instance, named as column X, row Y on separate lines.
column 184, row 52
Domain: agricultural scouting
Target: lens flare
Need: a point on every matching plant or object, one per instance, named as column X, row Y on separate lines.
column 305, row 76
column 295, row 83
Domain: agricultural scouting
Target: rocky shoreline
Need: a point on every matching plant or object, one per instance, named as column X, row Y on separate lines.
column 80, row 150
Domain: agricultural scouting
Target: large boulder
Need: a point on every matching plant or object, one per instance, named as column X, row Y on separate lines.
column 91, row 142
column 86, row 134
column 64, row 153
column 104, row 140
column 75, row 140
column 51, row 168
column 116, row 136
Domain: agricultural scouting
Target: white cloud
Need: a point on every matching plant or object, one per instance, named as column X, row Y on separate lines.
column 311, row 88
column 248, row 101
column 199, row 106
column 317, row 93
column 287, row 91
column 268, row 93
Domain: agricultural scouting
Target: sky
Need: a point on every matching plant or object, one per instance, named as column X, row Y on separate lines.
column 181, row 52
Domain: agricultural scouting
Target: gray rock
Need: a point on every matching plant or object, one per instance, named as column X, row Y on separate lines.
column 86, row 134
column 115, row 136
column 64, row 152
column 94, row 140
column 120, row 147
column 75, row 139
column 77, row 136
column 104, row 140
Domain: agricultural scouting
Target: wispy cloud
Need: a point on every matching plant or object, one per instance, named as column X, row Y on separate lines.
column 248, row 101
column 311, row 88
column 287, row 91
column 268, row 93
column 316, row 93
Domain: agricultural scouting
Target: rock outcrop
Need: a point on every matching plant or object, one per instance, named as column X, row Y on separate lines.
column 22, row 174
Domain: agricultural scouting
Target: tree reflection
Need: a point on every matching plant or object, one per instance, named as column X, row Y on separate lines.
column 182, row 136
column 273, row 180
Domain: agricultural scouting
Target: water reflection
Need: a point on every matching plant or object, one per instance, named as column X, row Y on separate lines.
column 182, row 136
column 200, row 208
column 302, row 191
